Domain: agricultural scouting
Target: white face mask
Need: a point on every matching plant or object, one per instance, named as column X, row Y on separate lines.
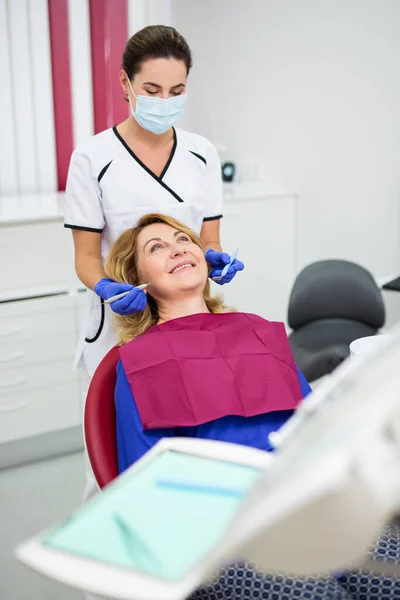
column 157, row 114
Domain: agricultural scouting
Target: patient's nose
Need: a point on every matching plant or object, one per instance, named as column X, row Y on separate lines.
column 177, row 250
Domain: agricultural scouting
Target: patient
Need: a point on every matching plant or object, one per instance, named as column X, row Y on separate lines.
column 190, row 366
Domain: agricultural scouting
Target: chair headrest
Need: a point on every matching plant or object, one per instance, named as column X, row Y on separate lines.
column 335, row 289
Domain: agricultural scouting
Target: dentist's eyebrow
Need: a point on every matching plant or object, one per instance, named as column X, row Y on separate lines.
column 156, row 85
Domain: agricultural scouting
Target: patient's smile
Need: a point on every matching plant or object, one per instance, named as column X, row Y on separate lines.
column 182, row 266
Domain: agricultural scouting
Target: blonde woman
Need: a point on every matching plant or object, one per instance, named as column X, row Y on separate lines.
column 189, row 365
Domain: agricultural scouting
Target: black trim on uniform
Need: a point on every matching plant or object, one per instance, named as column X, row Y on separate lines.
column 100, row 329
column 171, row 156
column 165, row 186
column 199, row 156
column 68, row 226
column 212, row 218
column 103, row 172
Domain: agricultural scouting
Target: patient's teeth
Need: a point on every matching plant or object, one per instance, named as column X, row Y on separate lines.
column 181, row 267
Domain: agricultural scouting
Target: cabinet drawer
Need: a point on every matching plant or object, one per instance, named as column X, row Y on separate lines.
column 19, row 353
column 36, row 301
column 31, row 413
column 43, row 253
column 38, row 325
column 23, row 379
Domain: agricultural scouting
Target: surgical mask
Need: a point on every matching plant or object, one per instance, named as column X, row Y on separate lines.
column 157, row 114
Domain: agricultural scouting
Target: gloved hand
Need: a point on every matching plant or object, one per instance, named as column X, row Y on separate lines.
column 217, row 261
column 133, row 302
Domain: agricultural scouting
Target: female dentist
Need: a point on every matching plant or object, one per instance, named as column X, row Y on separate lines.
column 140, row 166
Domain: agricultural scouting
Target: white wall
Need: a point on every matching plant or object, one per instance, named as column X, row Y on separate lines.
column 142, row 13
column 309, row 90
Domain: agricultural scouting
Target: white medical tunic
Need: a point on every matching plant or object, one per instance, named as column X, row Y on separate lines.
column 109, row 189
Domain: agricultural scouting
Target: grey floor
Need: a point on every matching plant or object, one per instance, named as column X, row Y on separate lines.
column 32, row 497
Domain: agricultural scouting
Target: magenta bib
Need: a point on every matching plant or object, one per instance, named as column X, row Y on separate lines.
column 196, row 369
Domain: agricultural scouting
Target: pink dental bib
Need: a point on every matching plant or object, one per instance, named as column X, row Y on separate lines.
column 196, row 369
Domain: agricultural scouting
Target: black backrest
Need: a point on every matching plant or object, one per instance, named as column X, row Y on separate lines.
column 335, row 289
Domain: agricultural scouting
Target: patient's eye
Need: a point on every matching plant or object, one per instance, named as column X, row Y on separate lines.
column 184, row 238
column 156, row 247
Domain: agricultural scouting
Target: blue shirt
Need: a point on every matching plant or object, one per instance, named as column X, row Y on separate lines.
column 133, row 441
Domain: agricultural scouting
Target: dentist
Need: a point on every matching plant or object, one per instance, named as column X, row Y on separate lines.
column 142, row 165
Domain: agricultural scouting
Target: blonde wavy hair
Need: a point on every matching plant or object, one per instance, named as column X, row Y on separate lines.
column 121, row 266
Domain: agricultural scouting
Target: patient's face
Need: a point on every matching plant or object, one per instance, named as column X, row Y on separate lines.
column 169, row 258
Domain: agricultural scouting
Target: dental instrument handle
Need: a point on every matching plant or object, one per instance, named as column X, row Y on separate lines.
column 226, row 268
column 143, row 286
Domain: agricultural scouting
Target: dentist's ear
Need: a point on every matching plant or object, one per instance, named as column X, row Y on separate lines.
column 124, row 83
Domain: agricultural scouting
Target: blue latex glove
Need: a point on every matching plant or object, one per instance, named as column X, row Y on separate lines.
column 217, row 261
column 133, row 302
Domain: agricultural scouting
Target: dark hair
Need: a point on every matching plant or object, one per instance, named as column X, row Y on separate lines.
column 155, row 41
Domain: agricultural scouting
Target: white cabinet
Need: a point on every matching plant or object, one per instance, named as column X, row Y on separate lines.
column 263, row 228
column 36, row 255
column 48, row 407
column 39, row 391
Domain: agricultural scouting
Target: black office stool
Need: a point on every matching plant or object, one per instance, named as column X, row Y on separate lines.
column 332, row 303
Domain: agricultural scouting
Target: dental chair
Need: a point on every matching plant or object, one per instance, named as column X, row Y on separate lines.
column 100, row 420
column 332, row 303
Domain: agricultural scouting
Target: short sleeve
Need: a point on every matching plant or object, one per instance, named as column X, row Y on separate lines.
column 213, row 207
column 83, row 196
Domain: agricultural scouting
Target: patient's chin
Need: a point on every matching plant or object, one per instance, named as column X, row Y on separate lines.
column 189, row 286
column 177, row 287
column 190, row 281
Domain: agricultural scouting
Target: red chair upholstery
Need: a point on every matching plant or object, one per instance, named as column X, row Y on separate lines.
column 99, row 420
